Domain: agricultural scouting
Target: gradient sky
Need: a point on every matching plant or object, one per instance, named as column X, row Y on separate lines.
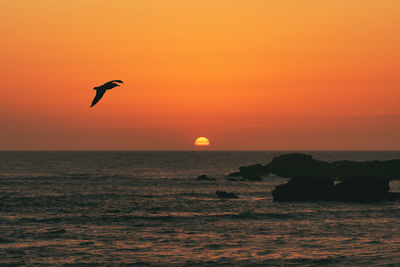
column 258, row 74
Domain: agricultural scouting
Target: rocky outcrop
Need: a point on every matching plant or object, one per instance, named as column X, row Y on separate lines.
column 313, row 180
column 224, row 194
column 298, row 165
column 252, row 172
column 390, row 169
column 362, row 190
column 305, row 189
column 324, row 189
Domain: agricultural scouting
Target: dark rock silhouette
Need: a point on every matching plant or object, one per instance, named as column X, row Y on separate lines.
column 323, row 189
column 253, row 171
column 390, row 169
column 205, row 177
column 305, row 189
column 224, row 194
column 100, row 90
column 362, row 190
column 313, row 180
column 392, row 196
column 298, row 165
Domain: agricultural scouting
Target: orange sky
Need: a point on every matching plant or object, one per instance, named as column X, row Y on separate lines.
column 246, row 74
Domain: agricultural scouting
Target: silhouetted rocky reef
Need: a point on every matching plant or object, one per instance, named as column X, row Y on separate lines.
column 224, row 194
column 313, row 180
column 324, row 189
column 298, row 165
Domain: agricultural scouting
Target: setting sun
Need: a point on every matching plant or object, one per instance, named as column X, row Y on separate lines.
column 202, row 141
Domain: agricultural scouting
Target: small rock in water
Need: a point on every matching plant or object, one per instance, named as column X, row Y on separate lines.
column 224, row 194
column 205, row 177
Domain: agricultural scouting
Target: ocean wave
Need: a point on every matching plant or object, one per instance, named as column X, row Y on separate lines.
column 168, row 195
column 54, row 233
column 256, row 216
column 106, row 219
column 86, row 176
column 5, row 240
column 14, row 199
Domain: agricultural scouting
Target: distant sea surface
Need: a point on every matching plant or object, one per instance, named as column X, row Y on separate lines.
column 148, row 208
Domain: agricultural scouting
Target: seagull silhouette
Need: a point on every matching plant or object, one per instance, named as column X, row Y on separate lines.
column 102, row 89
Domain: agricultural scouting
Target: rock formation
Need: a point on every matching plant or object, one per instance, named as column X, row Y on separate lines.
column 305, row 189
column 324, row 189
column 298, row 165
column 313, row 180
column 224, row 194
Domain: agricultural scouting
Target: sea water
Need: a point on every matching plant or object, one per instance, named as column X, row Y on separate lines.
column 148, row 208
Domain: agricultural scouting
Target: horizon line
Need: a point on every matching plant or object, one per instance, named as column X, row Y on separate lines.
column 200, row 150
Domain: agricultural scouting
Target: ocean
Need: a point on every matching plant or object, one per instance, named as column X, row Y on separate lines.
column 148, row 209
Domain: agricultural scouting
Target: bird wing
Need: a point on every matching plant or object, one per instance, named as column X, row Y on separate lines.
column 108, row 85
column 99, row 95
column 116, row 81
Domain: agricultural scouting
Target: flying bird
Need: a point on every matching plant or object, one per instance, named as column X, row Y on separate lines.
column 100, row 90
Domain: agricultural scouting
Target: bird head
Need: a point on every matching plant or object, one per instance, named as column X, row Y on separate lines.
column 95, row 88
